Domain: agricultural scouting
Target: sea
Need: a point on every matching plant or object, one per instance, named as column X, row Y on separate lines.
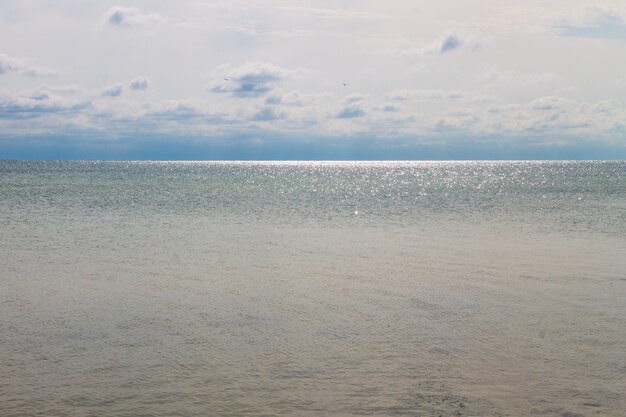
column 312, row 288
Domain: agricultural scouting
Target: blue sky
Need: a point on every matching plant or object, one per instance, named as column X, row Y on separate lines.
column 294, row 79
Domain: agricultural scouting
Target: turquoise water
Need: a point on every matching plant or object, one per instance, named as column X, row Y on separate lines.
column 331, row 288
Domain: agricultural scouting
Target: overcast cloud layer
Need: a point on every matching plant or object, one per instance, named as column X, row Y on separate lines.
column 295, row 79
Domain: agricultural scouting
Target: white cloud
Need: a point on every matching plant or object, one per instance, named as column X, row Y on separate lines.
column 268, row 114
column 51, row 109
column 434, row 94
column 354, row 98
column 336, row 14
column 351, row 111
column 140, row 84
column 259, row 73
column 607, row 106
column 119, row 16
column 293, row 98
column 182, row 110
column 250, row 79
column 449, row 41
column 38, row 103
column 573, row 18
column 507, row 19
column 10, row 64
column 114, row 90
column 550, row 103
column 508, row 78
column 389, row 108
column 274, row 99
column 595, row 21
column 451, row 124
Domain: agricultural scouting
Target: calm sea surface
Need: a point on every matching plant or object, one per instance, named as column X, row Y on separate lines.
column 312, row 289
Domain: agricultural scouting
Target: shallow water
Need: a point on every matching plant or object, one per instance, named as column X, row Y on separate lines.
column 338, row 289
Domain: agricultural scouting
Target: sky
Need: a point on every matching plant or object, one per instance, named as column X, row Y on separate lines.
column 297, row 79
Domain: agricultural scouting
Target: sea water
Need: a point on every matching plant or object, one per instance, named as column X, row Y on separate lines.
column 312, row 288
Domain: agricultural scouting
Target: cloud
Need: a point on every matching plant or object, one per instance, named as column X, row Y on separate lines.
column 507, row 77
column 353, row 98
column 274, row 99
column 191, row 116
column 334, row 14
column 503, row 81
column 268, row 114
column 550, row 103
column 10, row 64
column 449, row 41
column 59, row 110
column 139, row 84
column 292, row 98
column 351, row 111
column 606, row 106
column 34, row 104
column 388, row 108
column 595, row 22
column 119, row 16
column 433, row 94
column 453, row 124
column 259, row 73
column 250, row 79
column 239, row 89
column 182, row 111
column 114, row 90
